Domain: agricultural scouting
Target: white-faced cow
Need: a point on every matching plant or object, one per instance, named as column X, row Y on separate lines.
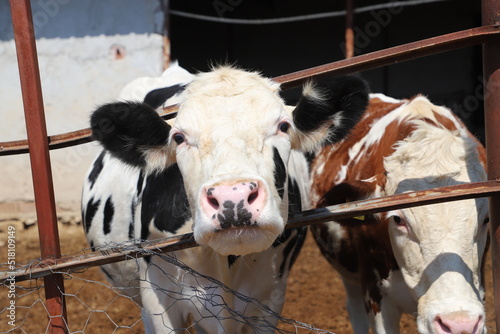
column 229, row 167
column 424, row 260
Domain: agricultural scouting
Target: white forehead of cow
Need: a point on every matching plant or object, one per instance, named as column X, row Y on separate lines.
column 227, row 91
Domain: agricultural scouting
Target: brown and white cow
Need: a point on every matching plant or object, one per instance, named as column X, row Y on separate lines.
column 424, row 260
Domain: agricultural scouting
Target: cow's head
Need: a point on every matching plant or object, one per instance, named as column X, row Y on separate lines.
column 439, row 248
column 232, row 140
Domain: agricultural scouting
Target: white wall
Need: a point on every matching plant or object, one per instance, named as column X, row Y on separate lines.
column 79, row 67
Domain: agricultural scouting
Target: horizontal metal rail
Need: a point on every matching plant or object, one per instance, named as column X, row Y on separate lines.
column 364, row 62
column 66, row 139
column 396, row 54
column 68, row 264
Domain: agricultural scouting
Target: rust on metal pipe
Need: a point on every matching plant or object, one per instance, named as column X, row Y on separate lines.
column 67, row 139
column 394, row 55
column 364, row 62
column 349, row 32
column 305, row 218
column 368, row 61
column 29, row 74
column 491, row 73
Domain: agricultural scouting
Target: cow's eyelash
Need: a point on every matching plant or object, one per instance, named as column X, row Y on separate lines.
column 397, row 217
column 178, row 138
column 284, row 127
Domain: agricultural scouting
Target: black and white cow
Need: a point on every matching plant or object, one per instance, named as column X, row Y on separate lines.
column 229, row 168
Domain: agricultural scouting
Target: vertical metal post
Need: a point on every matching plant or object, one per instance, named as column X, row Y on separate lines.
column 491, row 72
column 349, row 32
column 24, row 36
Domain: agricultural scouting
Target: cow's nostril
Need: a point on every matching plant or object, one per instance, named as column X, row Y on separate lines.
column 213, row 202
column 253, row 196
column 442, row 326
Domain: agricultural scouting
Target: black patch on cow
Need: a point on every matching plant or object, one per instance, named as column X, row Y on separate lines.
column 235, row 218
column 294, row 206
column 279, row 173
column 131, row 226
column 231, row 259
column 301, row 238
column 347, row 95
column 164, row 201
column 293, row 239
column 131, row 230
column 109, row 211
column 126, row 129
column 96, row 169
column 282, row 238
column 309, row 158
column 156, row 98
column 90, row 213
column 294, row 197
column 82, row 214
column 92, row 247
column 147, row 258
column 227, row 219
column 140, row 183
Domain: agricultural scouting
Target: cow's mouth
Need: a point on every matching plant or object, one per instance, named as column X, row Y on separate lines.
column 241, row 240
column 253, row 225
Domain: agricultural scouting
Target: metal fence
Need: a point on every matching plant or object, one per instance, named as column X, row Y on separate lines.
column 52, row 267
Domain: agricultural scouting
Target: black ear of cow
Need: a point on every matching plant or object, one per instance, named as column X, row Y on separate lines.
column 157, row 97
column 128, row 129
column 342, row 99
column 348, row 192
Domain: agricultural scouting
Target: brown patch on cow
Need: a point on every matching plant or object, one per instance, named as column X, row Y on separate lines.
column 444, row 121
column 336, row 156
column 373, row 307
column 348, row 192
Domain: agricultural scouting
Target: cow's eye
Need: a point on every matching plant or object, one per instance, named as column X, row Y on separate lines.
column 284, row 127
column 398, row 220
column 486, row 221
column 179, row 138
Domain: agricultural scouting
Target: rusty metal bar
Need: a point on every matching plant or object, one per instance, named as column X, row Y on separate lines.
column 66, row 139
column 349, row 32
column 491, row 71
column 364, row 62
column 394, row 55
column 334, row 212
column 29, row 74
column 368, row 61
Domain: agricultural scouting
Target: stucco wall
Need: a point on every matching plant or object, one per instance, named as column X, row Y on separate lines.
column 88, row 50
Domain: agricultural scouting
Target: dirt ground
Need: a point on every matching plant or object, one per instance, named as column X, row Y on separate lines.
column 314, row 296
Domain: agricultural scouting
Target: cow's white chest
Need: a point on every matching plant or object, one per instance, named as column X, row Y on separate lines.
column 199, row 296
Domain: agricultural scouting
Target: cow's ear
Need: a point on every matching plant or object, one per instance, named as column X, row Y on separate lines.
column 157, row 97
column 350, row 191
column 328, row 110
column 134, row 133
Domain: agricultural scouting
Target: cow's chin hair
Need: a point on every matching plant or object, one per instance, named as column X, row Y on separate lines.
column 241, row 240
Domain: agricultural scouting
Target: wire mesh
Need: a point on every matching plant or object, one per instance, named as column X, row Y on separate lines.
column 96, row 306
